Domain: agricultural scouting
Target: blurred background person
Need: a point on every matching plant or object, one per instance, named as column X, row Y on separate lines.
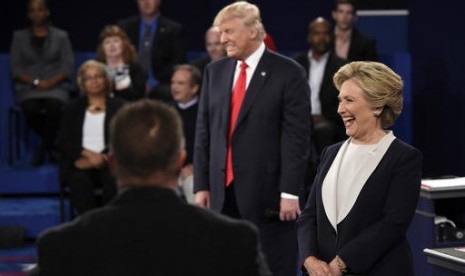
column 117, row 52
column 160, row 44
column 83, row 138
column 215, row 50
column 42, row 68
column 321, row 64
column 349, row 42
column 366, row 191
column 185, row 85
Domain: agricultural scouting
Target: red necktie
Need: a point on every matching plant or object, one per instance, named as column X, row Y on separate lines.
column 236, row 103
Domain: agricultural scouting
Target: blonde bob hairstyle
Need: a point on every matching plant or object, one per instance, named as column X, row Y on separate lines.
column 248, row 13
column 102, row 68
column 381, row 86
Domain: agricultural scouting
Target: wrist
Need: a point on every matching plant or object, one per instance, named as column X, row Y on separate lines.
column 341, row 265
column 35, row 82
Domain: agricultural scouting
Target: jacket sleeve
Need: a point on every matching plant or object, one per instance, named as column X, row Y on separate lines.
column 202, row 140
column 295, row 131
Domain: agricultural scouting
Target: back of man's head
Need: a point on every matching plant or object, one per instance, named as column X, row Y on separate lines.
column 146, row 140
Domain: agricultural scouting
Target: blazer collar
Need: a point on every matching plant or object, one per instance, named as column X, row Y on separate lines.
column 261, row 74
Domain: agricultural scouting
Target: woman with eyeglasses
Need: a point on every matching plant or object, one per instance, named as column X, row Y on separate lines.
column 83, row 138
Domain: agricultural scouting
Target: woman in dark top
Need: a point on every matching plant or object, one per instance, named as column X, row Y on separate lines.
column 117, row 52
column 42, row 67
column 83, row 138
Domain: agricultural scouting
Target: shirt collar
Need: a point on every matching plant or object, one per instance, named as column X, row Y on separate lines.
column 254, row 58
column 189, row 103
column 323, row 57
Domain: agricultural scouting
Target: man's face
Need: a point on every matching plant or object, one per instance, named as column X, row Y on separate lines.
column 181, row 88
column 38, row 12
column 213, row 44
column 148, row 7
column 319, row 37
column 237, row 39
column 344, row 16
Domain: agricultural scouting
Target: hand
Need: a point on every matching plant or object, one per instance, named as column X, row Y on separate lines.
column 289, row 209
column 317, row 267
column 202, row 199
column 82, row 163
column 335, row 266
column 187, row 171
column 95, row 159
column 45, row 85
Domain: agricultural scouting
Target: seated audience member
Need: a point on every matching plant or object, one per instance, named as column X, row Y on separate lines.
column 160, row 44
column 349, row 42
column 83, row 138
column 185, row 85
column 117, row 52
column 148, row 229
column 215, row 49
column 42, row 67
column 321, row 64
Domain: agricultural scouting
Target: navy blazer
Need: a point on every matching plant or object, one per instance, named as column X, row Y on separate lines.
column 270, row 143
column 371, row 239
column 168, row 47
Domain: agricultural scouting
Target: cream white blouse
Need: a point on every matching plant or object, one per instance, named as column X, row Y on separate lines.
column 347, row 175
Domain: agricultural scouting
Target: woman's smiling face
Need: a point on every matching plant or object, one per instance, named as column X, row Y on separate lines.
column 356, row 112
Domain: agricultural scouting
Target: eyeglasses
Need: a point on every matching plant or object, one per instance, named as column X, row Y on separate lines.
column 94, row 77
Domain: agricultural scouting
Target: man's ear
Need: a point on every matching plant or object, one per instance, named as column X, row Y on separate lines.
column 112, row 163
column 181, row 158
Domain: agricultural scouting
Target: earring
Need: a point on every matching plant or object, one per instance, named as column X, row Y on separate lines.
column 376, row 113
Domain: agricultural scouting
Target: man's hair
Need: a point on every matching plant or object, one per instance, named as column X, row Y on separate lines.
column 249, row 13
column 196, row 76
column 146, row 138
column 350, row 2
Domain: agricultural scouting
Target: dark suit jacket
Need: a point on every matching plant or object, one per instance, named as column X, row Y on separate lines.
column 150, row 231
column 362, row 47
column 168, row 48
column 328, row 92
column 371, row 239
column 270, row 142
column 69, row 138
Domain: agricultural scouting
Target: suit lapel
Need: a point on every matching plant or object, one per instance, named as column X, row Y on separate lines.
column 225, row 87
column 262, row 72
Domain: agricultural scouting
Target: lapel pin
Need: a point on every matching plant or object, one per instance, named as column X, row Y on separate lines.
column 263, row 73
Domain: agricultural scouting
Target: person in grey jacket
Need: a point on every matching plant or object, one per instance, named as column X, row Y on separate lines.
column 42, row 67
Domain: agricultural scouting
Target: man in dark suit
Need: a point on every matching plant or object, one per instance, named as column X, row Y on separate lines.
column 350, row 43
column 160, row 43
column 252, row 136
column 148, row 229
